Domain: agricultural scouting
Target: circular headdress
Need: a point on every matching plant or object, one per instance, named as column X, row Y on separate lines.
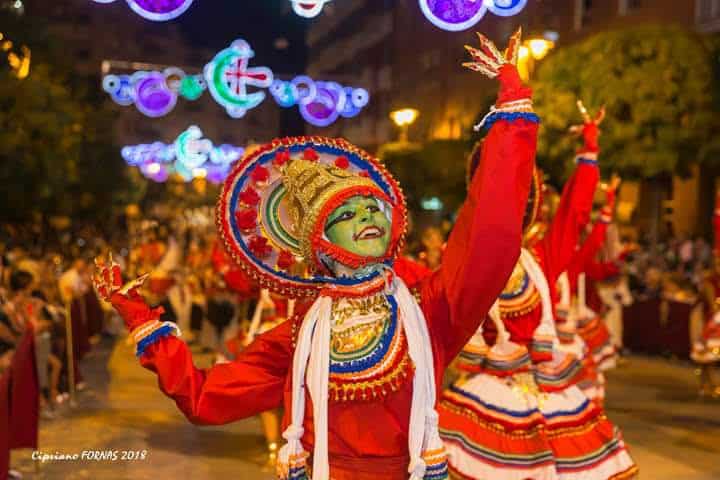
column 274, row 204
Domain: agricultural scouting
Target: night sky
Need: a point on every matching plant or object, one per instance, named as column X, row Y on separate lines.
column 215, row 23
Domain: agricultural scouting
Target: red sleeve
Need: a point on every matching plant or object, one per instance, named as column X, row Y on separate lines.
column 573, row 213
column 413, row 273
column 228, row 391
column 485, row 242
column 590, row 247
column 600, row 271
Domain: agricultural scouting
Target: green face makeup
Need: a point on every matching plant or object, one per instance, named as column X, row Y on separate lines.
column 359, row 226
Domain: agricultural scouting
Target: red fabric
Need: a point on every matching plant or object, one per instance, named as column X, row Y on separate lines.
column 95, row 314
column 480, row 255
column 25, row 395
column 591, row 134
column 555, row 251
column 584, row 262
column 4, row 425
column 234, row 277
column 81, row 336
column 413, row 273
column 133, row 310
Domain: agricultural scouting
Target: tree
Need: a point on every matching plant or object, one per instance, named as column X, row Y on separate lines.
column 656, row 83
column 55, row 139
column 434, row 169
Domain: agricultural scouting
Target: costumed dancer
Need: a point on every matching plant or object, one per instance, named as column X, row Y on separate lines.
column 611, row 283
column 358, row 371
column 706, row 351
column 580, row 329
column 519, row 415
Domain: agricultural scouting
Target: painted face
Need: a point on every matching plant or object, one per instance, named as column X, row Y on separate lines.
column 359, row 226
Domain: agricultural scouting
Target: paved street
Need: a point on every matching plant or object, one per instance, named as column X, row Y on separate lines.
column 673, row 435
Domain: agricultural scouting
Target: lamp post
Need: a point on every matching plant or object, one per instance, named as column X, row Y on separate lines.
column 403, row 118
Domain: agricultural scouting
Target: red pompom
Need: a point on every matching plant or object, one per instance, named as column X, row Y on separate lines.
column 259, row 247
column 249, row 197
column 260, row 174
column 281, row 158
column 246, row 219
column 285, row 260
column 364, row 174
column 310, row 154
column 342, row 162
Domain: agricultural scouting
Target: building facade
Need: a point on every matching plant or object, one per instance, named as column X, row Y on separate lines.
column 406, row 61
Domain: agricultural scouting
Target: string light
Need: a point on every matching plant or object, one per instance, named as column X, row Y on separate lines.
column 458, row 15
column 227, row 78
column 308, row 8
column 156, row 10
column 189, row 156
column 320, row 103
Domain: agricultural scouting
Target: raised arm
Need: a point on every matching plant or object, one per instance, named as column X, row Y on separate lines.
column 584, row 259
column 221, row 394
column 575, row 205
column 485, row 242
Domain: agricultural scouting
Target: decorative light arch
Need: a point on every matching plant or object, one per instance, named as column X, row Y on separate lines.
column 458, row 15
column 190, row 156
column 308, row 8
column 156, row 10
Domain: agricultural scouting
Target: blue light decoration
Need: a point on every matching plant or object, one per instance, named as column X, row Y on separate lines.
column 458, row 15
column 308, row 8
column 320, row 103
column 156, row 10
column 189, row 156
column 227, row 77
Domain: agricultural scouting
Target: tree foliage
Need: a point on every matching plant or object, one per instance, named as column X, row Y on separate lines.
column 656, row 83
column 56, row 146
column 433, row 169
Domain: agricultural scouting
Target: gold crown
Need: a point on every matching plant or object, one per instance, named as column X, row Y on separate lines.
column 309, row 186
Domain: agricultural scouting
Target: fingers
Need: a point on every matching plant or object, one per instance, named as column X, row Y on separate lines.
column 584, row 112
column 513, row 49
column 133, row 284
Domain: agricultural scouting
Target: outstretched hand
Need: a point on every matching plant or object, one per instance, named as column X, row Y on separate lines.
column 590, row 129
column 489, row 61
column 126, row 299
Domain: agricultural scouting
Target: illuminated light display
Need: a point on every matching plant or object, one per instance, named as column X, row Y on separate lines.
column 505, row 8
column 308, row 8
column 192, row 87
column 453, row 15
column 228, row 77
column 120, row 88
column 189, row 156
column 153, row 97
column 319, row 103
column 156, row 10
column 458, row 15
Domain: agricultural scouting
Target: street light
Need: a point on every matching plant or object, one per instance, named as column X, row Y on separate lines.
column 403, row 118
column 531, row 51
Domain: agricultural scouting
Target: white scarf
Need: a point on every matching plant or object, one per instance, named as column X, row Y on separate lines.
column 312, row 355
